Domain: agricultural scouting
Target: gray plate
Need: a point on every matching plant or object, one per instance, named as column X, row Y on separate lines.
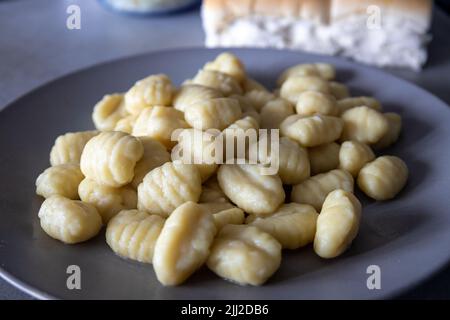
column 407, row 238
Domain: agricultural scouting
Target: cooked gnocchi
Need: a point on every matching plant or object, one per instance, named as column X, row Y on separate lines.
column 223, row 171
column 69, row 221
column 244, row 254
column 383, row 178
column 110, row 158
column 168, row 186
column 62, row 180
column 132, row 234
column 184, row 244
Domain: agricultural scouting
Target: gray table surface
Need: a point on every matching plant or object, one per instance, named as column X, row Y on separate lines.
column 36, row 47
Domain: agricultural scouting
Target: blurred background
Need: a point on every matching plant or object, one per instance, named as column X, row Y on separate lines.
column 41, row 40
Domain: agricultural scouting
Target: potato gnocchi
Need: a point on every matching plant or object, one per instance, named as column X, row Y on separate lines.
column 236, row 196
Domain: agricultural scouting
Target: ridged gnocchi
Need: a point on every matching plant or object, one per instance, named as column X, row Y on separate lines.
column 274, row 112
column 69, row 221
column 337, row 224
column 132, row 234
column 68, row 147
column 324, row 158
column 244, row 255
column 314, row 190
column 107, row 200
column 108, row 111
column 190, row 94
column 167, row 187
column 126, row 124
column 62, row 180
column 225, row 83
column 155, row 155
column 213, row 113
column 110, row 158
column 353, row 155
column 293, row 87
column 364, row 124
column 183, row 244
column 293, row 225
column 259, row 98
column 293, row 161
column 151, row 91
column 383, row 178
column 229, row 64
column 313, row 130
column 159, row 123
column 249, row 189
column 314, row 102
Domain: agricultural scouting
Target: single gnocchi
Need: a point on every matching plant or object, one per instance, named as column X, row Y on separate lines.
column 364, row 124
column 313, row 102
column 132, row 234
column 313, row 130
column 383, row 178
column 324, row 158
column 250, row 84
column 353, row 155
column 159, row 123
column 293, row 87
column 223, row 82
column 213, row 114
column 168, row 186
column 155, row 155
column 274, row 112
column 293, row 161
column 110, row 158
column 126, row 124
column 151, row 91
column 183, row 244
column 229, row 64
column 69, row 221
column 293, row 225
column 62, row 180
column 107, row 200
column 314, row 190
column 245, row 255
column 190, row 94
column 108, row 111
column 68, row 147
column 337, row 224
column 250, row 189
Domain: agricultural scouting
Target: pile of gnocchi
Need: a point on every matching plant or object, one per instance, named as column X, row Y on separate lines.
column 229, row 217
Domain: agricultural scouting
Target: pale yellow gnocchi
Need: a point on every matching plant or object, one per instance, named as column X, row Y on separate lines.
column 159, row 123
column 183, row 244
column 213, row 113
column 293, row 87
column 62, row 180
column 244, row 254
column 107, row 200
column 132, row 234
column 353, row 155
column 126, row 123
column 190, row 94
column 293, row 225
column 312, row 131
column 211, row 192
column 274, row 112
column 151, row 91
column 314, row 190
column 223, row 82
column 229, row 64
column 108, row 111
column 314, row 102
column 352, row 102
column 69, row 221
column 391, row 136
column 68, row 147
column 337, row 224
column 383, row 178
column 110, row 158
column 339, row 90
column 364, row 124
column 259, row 98
column 168, row 186
column 250, row 189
